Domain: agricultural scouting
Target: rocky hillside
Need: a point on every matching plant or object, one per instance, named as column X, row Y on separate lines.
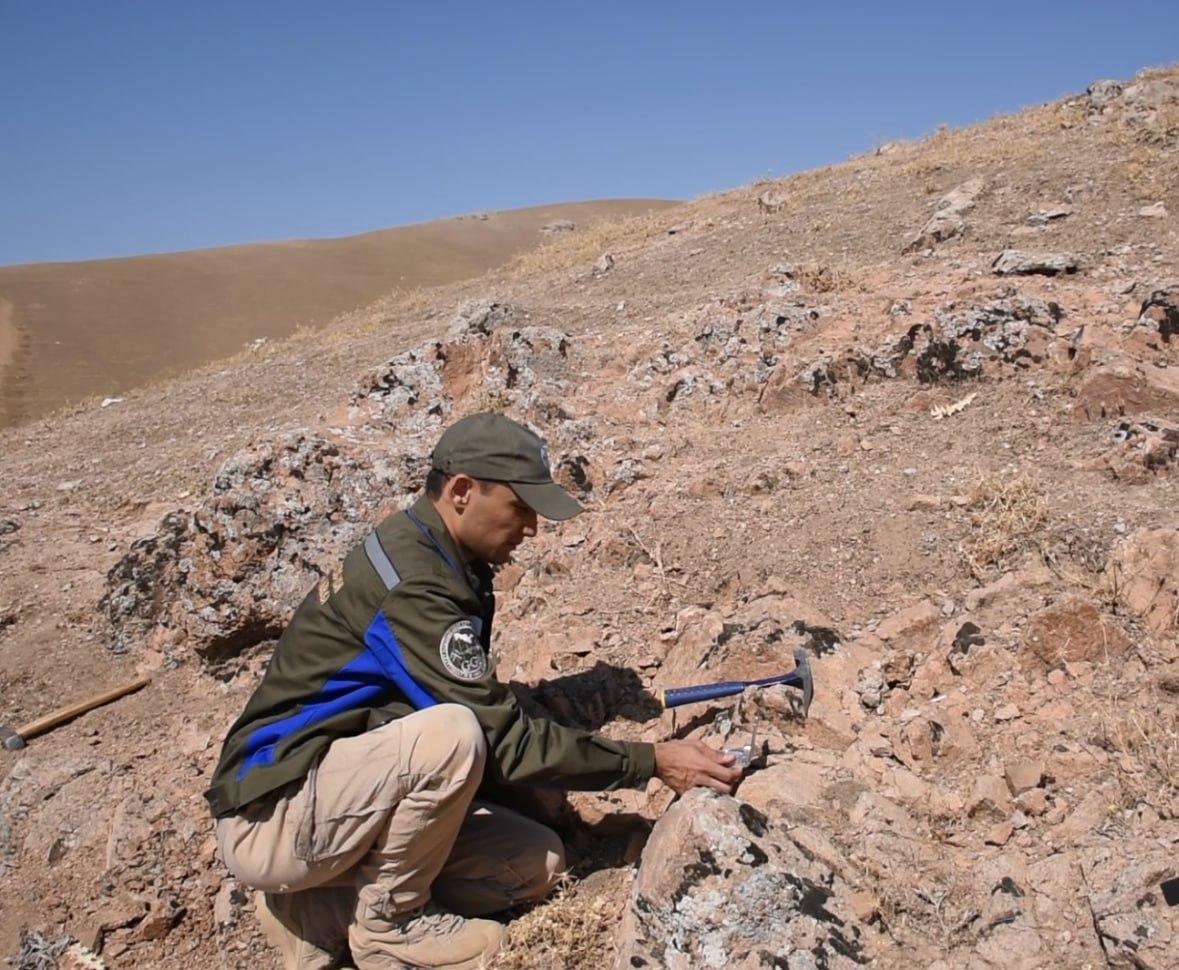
column 70, row 331
column 916, row 414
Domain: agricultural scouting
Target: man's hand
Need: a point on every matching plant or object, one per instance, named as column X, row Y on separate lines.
column 693, row 764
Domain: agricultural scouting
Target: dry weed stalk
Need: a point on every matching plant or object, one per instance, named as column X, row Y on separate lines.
column 39, row 952
column 1006, row 514
column 947, row 410
column 1145, row 742
column 1151, row 742
column 567, row 931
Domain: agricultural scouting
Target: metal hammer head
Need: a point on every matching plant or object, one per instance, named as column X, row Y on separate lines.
column 802, row 667
column 12, row 740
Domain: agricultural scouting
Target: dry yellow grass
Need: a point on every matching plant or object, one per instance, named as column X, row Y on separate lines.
column 1146, row 170
column 1005, row 515
column 1142, row 740
column 572, row 930
column 582, row 246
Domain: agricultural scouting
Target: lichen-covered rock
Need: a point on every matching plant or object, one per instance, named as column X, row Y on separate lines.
column 482, row 317
column 1016, row 262
column 277, row 519
column 406, row 390
column 528, row 366
column 1142, row 450
column 280, row 516
column 492, row 358
column 719, row 883
column 137, row 584
column 778, row 323
column 735, row 351
column 1149, row 107
column 1101, row 94
column 960, row 343
column 1014, row 331
column 1160, row 313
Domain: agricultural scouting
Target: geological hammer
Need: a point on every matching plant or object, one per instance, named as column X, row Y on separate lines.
column 799, row 677
column 14, row 738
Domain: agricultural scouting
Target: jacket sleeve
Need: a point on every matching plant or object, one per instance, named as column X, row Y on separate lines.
column 437, row 645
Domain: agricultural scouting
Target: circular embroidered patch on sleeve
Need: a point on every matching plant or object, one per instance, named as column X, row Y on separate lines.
column 462, row 653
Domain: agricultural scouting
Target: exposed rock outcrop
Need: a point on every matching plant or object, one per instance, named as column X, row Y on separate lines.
column 279, row 517
column 1016, row 262
column 720, row 885
column 947, row 220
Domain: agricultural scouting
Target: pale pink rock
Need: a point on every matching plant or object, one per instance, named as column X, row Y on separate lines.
column 989, row 796
column 865, row 905
column 1055, row 712
column 1125, row 388
column 1033, row 802
column 1121, row 883
column 909, row 621
column 1144, row 571
column 1023, row 775
column 1087, row 816
column 976, row 599
column 791, row 790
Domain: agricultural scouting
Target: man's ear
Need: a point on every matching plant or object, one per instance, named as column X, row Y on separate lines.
column 459, row 489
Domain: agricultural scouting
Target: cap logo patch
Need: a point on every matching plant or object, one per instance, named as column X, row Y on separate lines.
column 462, row 653
column 544, row 456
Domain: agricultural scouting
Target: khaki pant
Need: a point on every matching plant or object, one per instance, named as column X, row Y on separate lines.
column 391, row 812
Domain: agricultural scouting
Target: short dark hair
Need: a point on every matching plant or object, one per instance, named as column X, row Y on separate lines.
column 435, row 482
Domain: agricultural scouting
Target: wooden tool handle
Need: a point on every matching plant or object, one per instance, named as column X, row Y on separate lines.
column 63, row 714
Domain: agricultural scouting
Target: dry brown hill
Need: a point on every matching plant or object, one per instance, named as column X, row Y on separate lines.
column 69, row 331
column 916, row 414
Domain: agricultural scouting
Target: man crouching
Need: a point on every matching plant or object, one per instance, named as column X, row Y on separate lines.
column 345, row 792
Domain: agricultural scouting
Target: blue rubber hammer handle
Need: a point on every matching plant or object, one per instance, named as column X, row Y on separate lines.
column 800, row 677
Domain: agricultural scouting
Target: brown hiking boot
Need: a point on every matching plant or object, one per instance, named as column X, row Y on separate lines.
column 425, row 938
column 309, row 928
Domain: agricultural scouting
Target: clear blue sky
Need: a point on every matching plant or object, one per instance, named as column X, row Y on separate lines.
column 150, row 125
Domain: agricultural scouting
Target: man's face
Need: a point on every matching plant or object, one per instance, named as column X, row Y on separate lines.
column 493, row 522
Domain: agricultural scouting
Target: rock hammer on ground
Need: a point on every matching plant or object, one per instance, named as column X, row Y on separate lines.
column 800, row 677
column 14, row 738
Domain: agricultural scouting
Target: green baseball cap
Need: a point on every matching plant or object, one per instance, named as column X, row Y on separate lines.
column 494, row 448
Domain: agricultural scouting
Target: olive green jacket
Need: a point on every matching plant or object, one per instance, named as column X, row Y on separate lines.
column 406, row 624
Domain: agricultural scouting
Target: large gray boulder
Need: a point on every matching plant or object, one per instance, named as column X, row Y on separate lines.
column 721, row 885
column 1016, row 262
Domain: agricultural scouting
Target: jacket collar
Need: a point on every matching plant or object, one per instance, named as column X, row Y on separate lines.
column 423, row 509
